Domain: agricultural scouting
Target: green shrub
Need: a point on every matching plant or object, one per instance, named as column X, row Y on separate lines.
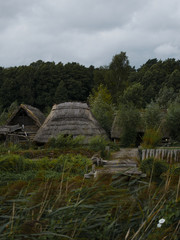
column 157, row 166
column 48, row 164
column 9, row 148
column 152, row 115
column 98, row 144
column 151, row 138
column 172, row 121
column 76, row 164
column 63, row 141
column 6, row 176
column 114, row 146
column 12, row 163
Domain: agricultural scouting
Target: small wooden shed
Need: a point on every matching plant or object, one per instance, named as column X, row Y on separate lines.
column 29, row 118
column 12, row 133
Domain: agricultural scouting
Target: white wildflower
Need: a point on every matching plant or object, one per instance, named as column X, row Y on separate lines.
column 162, row 220
column 158, row 225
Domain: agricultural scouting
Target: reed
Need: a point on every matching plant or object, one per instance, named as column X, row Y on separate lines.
column 71, row 207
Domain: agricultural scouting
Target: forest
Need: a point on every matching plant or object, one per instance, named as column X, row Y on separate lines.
column 41, row 84
column 118, row 89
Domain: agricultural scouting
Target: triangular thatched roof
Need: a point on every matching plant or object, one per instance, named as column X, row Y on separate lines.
column 117, row 129
column 32, row 112
column 72, row 118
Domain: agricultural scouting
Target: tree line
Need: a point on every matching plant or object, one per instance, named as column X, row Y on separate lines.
column 42, row 84
column 106, row 89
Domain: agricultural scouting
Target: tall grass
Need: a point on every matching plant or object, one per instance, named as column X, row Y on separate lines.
column 151, row 138
column 49, row 198
column 14, row 163
column 74, row 208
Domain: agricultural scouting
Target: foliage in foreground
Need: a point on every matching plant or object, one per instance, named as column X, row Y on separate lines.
column 154, row 167
column 98, row 144
column 62, row 141
column 76, row 164
column 78, row 209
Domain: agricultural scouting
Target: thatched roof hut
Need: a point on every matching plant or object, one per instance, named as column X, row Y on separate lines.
column 29, row 118
column 34, row 113
column 70, row 118
column 117, row 131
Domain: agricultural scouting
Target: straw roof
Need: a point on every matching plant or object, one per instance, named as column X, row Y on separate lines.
column 32, row 112
column 72, row 118
column 117, row 129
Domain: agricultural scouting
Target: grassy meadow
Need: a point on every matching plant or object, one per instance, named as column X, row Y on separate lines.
column 43, row 195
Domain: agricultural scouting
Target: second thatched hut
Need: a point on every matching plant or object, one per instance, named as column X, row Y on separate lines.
column 70, row 118
column 22, row 124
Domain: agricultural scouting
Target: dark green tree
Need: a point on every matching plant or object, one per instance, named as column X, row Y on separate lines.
column 117, row 76
column 61, row 94
column 128, row 118
column 174, row 80
column 134, row 95
column 152, row 116
column 173, row 120
column 102, row 108
column 166, row 96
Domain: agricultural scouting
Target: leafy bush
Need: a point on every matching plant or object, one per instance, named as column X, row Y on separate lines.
column 76, row 164
column 154, row 167
column 98, row 144
column 151, row 138
column 13, row 163
column 172, row 121
column 6, row 176
column 114, row 146
column 63, row 141
column 152, row 116
column 9, row 148
column 134, row 95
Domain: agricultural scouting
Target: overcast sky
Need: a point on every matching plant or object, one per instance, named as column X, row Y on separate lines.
column 89, row 32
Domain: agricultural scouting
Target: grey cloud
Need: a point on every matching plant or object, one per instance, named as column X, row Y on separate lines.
column 88, row 32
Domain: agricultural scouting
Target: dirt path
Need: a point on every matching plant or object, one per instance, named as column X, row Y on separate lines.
column 124, row 161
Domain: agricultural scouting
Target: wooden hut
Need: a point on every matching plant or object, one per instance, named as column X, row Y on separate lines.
column 117, row 130
column 70, row 118
column 11, row 133
column 28, row 118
